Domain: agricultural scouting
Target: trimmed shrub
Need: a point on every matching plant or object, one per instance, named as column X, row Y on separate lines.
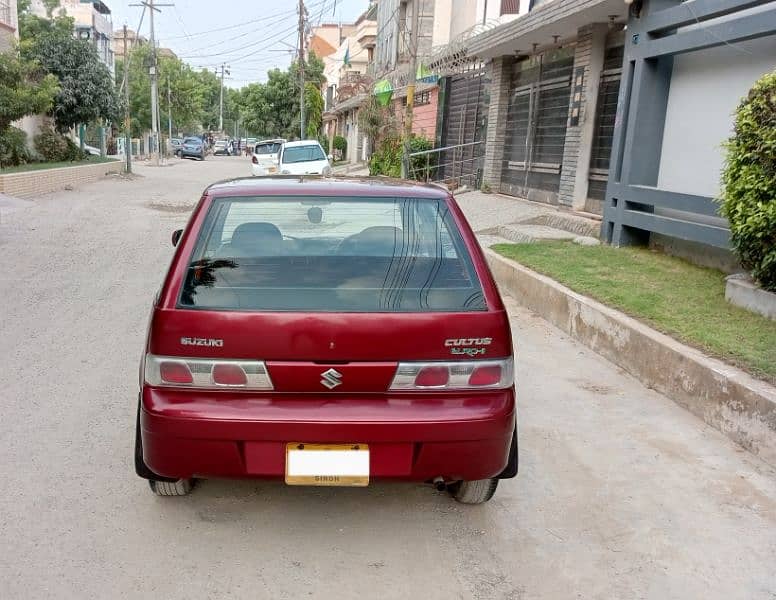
column 54, row 147
column 749, row 182
column 13, row 147
column 341, row 145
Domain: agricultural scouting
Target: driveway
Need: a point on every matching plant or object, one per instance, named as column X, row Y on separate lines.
column 621, row 493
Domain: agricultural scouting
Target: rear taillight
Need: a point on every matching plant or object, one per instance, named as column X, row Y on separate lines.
column 458, row 375
column 254, row 160
column 201, row 373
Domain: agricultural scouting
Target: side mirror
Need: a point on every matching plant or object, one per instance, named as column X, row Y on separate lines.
column 330, row 157
column 176, row 235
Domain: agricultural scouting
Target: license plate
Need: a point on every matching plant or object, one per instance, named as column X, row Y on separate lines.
column 327, row 464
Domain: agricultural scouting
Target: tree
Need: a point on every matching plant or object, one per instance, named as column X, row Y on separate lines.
column 86, row 90
column 185, row 98
column 313, row 103
column 25, row 89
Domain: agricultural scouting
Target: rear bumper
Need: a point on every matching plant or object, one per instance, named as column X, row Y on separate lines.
column 241, row 435
column 262, row 171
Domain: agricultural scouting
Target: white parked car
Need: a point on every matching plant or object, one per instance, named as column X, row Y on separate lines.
column 264, row 157
column 305, row 157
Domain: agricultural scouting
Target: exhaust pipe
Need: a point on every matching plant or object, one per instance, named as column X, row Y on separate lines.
column 439, row 484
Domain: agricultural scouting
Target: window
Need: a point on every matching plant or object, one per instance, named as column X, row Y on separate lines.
column 331, row 254
column 5, row 12
column 267, row 148
column 510, row 7
column 299, row 154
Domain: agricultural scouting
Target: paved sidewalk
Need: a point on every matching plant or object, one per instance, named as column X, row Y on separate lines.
column 498, row 218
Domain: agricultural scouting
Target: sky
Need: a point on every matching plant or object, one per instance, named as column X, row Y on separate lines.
column 251, row 36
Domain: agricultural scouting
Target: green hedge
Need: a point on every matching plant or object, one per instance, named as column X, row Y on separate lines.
column 55, row 147
column 13, row 147
column 749, row 182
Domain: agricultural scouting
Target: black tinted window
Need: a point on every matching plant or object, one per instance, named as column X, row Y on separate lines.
column 331, row 254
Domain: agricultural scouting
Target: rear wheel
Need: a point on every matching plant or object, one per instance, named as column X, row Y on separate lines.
column 473, row 492
column 180, row 487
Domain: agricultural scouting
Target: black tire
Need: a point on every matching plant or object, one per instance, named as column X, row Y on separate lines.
column 473, row 492
column 179, row 487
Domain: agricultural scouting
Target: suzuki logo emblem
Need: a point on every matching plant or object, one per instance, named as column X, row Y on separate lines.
column 331, row 378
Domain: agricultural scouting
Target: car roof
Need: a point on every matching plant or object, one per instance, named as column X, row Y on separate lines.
column 302, row 143
column 312, row 185
column 271, row 141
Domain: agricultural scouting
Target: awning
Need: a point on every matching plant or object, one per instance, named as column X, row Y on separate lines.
column 349, row 104
column 561, row 18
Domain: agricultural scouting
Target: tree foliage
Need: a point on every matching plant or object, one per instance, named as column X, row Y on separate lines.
column 186, row 91
column 749, row 181
column 86, row 90
column 25, row 89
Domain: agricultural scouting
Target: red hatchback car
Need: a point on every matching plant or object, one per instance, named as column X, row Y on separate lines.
column 328, row 332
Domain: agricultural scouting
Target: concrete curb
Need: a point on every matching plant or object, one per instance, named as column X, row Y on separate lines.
column 727, row 398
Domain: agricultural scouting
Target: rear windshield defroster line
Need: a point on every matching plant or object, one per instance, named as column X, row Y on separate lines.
column 330, row 254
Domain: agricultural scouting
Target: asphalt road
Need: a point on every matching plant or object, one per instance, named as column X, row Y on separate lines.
column 621, row 493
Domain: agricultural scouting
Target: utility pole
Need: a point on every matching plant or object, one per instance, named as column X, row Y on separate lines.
column 221, row 101
column 169, row 112
column 154, row 72
column 414, row 37
column 127, row 121
column 301, row 68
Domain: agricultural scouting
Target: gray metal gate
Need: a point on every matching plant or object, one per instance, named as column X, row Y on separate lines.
column 536, row 125
column 464, row 122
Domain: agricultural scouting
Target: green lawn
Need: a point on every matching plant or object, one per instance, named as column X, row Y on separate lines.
column 39, row 166
column 671, row 295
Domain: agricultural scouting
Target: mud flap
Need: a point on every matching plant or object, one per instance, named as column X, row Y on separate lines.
column 511, row 469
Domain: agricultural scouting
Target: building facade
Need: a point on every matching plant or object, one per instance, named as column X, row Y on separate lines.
column 92, row 22
column 348, row 85
column 684, row 74
column 554, row 80
column 9, row 20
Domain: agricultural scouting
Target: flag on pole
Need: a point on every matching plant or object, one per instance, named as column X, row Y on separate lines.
column 347, row 56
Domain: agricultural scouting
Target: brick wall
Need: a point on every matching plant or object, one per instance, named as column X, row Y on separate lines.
column 500, row 77
column 33, row 183
column 424, row 115
column 588, row 54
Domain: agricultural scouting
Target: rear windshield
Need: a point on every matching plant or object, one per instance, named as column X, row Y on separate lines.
column 331, row 254
column 192, row 140
column 297, row 154
column 268, row 148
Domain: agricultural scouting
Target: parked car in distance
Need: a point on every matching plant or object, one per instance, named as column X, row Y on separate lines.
column 223, row 147
column 327, row 332
column 304, row 157
column 193, row 147
column 175, row 144
column 264, row 157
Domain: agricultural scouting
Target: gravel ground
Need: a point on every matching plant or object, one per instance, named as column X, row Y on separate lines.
column 621, row 493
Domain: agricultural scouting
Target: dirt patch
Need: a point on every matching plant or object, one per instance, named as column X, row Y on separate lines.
column 589, row 386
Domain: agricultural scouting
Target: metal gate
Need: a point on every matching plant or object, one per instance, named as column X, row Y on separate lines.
column 464, row 122
column 536, row 125
column 605, row 114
